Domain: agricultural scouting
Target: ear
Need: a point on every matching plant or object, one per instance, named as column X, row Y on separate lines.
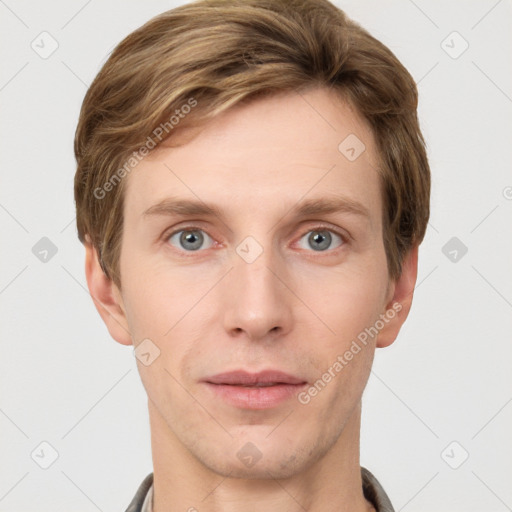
column 399, row 299
column 106, row 296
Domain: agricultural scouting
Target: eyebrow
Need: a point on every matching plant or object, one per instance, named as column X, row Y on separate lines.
column 318, row 206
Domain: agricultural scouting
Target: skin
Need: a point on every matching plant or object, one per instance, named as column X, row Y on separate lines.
column 294, row 308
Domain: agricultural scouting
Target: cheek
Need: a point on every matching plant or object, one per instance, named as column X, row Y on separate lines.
column 347, row 300
column 343, row 359
column 157, row 295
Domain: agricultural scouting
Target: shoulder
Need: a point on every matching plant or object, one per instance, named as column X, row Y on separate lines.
column 375, row 493
column 140, row 495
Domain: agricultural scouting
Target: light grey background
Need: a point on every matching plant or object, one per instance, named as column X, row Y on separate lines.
column 64, row 381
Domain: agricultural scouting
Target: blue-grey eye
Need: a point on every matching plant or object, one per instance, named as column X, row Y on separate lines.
column 320, row 240
column 190, row 240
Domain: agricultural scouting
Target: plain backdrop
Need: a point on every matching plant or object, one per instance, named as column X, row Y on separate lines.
column 437, row 410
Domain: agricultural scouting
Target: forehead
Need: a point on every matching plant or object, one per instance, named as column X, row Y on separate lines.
column 265, row 154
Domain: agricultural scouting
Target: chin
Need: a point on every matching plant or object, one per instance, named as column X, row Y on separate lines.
column 262, row 470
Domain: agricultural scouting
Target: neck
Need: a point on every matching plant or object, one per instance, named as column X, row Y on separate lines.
column 182, row 482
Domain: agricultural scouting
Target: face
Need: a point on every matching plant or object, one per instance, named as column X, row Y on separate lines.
column 257, row 245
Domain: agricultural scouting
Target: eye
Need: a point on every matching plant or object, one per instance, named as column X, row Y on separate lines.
column 321, row 239
column 190, row 239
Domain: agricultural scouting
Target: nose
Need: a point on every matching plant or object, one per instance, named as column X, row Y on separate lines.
column 256, row 301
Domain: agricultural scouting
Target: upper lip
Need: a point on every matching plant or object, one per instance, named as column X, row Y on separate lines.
column 242, row 377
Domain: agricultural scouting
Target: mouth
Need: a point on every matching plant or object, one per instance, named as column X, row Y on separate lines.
column 262, row 378
column 261, row 390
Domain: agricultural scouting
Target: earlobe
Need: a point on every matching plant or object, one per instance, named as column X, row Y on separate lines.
column 106, row 297
column 398, row 307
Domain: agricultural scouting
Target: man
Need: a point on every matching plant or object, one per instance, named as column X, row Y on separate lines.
column 252, row 188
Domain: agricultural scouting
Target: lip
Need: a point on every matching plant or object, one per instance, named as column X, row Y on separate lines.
column 275, row 387
column 244, row 378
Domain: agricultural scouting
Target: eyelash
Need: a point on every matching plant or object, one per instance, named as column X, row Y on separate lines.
column 320, row 227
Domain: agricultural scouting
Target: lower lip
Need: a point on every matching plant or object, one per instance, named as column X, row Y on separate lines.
column 256, row 398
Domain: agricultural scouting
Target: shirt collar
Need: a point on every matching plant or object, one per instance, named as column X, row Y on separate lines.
column 372, row 490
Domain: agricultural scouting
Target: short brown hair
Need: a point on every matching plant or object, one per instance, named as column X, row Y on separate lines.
column 218, row 53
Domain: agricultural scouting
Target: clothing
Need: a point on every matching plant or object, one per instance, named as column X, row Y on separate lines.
column 372, row 490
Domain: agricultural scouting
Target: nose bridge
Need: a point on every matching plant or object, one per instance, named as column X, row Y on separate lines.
column 258, row 302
